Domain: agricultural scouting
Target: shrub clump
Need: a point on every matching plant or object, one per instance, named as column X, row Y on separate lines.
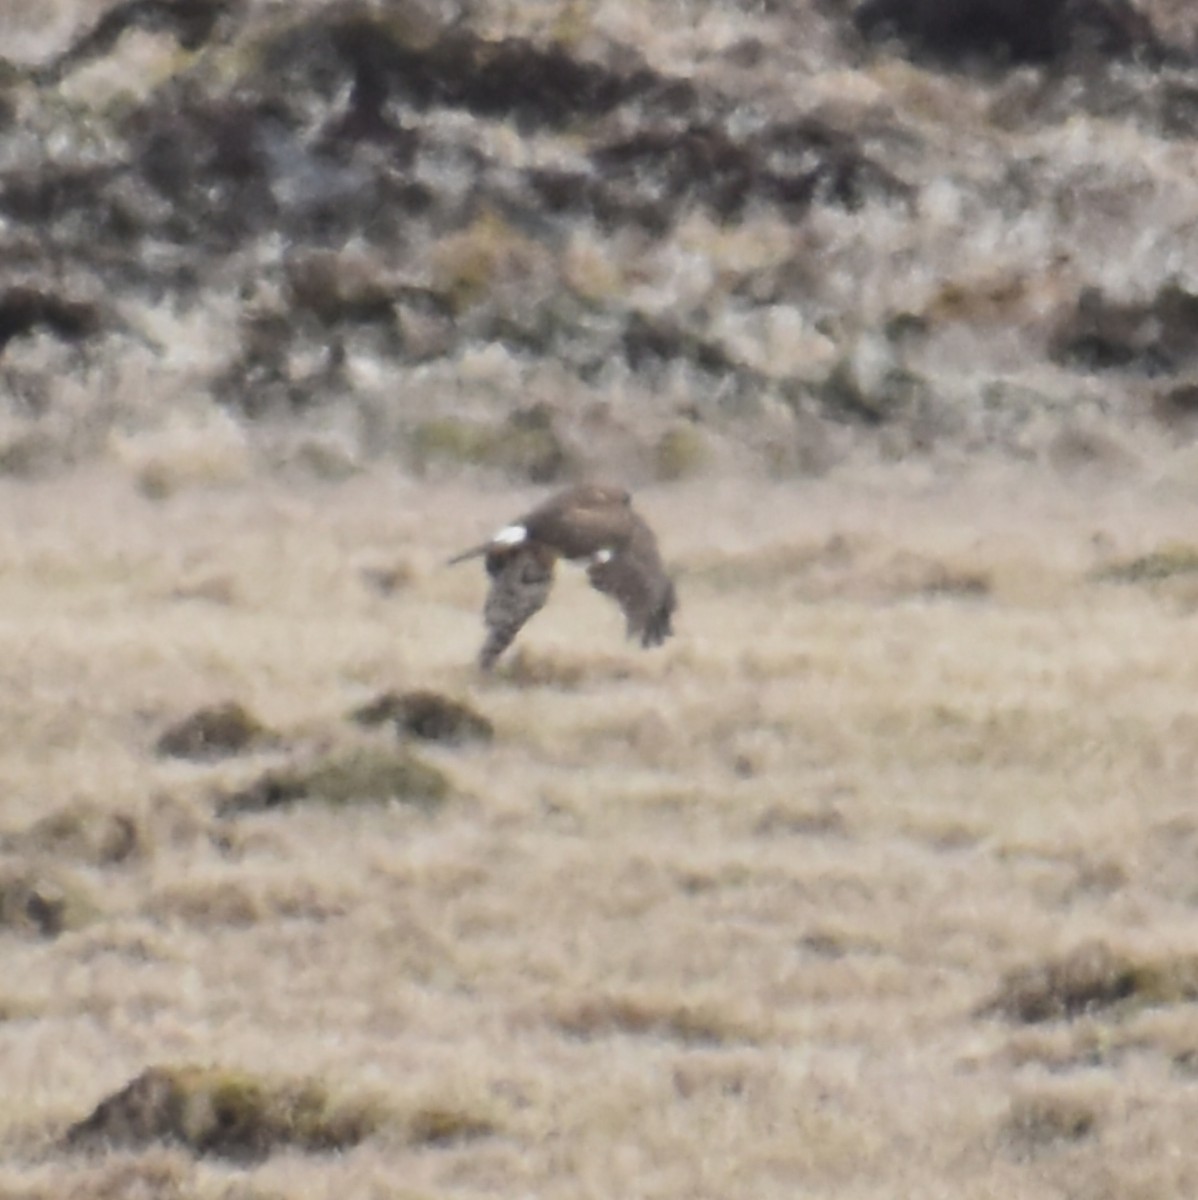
column 43, row 903
column 1041, row 1120
column 214, row 732
column 226, row 1114
column 1090, row 978
column 83, row 832
column 428, row 715
column 356, row 776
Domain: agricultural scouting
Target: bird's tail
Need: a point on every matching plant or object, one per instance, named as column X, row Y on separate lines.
column 475, row 552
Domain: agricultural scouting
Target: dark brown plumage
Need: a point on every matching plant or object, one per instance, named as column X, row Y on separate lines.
column 594, row 524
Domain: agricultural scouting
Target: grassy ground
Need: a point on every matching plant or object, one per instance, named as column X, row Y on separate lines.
column 741, row 917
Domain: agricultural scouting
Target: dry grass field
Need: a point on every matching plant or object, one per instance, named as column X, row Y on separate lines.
column 878, row 881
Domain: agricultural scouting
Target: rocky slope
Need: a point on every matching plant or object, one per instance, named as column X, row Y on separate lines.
column 596, row 235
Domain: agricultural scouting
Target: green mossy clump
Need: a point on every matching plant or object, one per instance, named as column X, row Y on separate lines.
column 215, row 732
column 227, row 1114
column 362, row 775
column 526, row 445
column 450, row 439
column 43, row 902
column 427, row 715
column 1165, row 562
column 1091, row 978
column 681, row 453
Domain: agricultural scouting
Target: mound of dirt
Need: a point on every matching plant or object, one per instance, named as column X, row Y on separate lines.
column 85, row 833
column 1088, row 979
column 46, row 902
column 226, row 1114
column 427, row 715
column 215, row 732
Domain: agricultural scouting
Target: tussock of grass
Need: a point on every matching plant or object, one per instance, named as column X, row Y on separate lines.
column 360, row 775
column 655, row 1016
column 443, row 1124
column 226, row 1114
column 1059, row 1048
column 1090, row 978
column 784, row 820
column 41, row 901
column 1166, row 562
column 1040, row 1120
column 427, row 715
column 215, row 732
column 916, row 575
column 222, row 898
column 85, row 833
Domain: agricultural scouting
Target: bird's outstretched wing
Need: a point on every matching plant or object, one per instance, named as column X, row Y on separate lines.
column 633, row 575
column 521, row 579
column 582, row 521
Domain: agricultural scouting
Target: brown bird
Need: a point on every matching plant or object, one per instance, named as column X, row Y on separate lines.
column 593, row 524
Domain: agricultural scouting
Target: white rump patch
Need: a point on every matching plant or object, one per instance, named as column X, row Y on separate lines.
column 602, row 556
column 510, row 535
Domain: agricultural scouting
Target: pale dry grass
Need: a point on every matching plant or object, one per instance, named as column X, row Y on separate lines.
column 718, row 920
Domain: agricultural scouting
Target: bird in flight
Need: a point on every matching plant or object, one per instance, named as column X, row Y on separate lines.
column 593, row 525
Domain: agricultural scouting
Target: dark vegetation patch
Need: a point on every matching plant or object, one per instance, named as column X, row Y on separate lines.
column 788, row 165
column 780, row 820
column 1165, row 562
column 323, row 127
column 427, row 715
column 1157, row 336
column 373, row 145
column 1092, row 978
column 214, row 732
column 831, row 945
column 26, row 308
column 86, row 833
column 190, row 22
column 235, row 902
column 227, row 1114
column 388, row 64
column 443, row 1125
column 1039, row 1121
column 908, row 574
column 361, row 775
column 645, row 1016
column 43, row 901
column 1010, row 32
